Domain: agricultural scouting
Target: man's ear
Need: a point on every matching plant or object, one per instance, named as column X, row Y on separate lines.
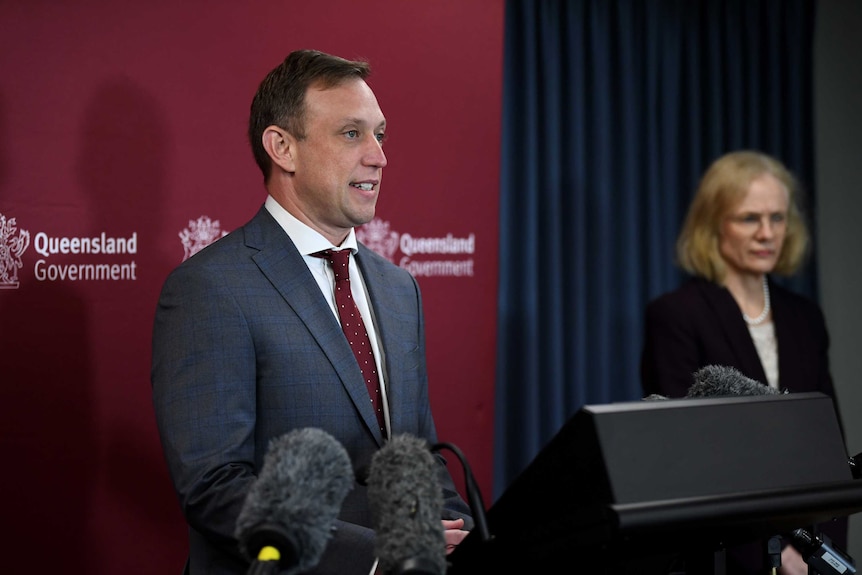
column 280, row 146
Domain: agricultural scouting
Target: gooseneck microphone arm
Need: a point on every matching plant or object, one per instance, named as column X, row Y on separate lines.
column 474, row 495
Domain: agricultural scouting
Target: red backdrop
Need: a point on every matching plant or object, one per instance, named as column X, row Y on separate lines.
column 122, row 127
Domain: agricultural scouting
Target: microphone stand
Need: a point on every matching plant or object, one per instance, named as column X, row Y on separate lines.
column 773, row 554
column 259, row 567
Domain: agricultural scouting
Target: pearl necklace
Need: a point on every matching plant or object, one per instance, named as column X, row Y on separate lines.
column 766, row 306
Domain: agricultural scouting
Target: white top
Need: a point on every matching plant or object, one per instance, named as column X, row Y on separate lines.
column 767, row 349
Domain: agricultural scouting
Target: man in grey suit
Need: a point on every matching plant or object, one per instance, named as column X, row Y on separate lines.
column 247, row 344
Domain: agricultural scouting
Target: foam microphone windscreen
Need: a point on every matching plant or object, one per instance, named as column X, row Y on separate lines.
column 723, row 381
column 654, row 397
column 305, row 477
column 406, row 502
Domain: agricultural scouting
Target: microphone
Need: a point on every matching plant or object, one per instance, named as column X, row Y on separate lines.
column 406, row 501
column 286, row 520
column 722, row 381
column 717, row 381
column 820, row 555
column 654, row 397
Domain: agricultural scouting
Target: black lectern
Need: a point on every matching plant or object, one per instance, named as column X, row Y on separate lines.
column 638, row 487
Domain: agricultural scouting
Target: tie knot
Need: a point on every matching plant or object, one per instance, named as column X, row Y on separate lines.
column 338, row 258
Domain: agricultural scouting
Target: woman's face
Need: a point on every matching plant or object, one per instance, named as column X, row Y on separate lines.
column 752, row 235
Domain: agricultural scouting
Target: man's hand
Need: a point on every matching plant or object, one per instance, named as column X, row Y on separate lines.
column 792, row 562
column 453, row 534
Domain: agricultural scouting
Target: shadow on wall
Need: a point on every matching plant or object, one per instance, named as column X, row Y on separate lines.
column 47, row 428
column 85, row 478
column 122, row 166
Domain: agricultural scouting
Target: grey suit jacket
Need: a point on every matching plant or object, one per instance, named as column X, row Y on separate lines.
column 245, row 349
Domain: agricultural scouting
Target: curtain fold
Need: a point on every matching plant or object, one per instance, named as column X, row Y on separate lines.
column 612, row 109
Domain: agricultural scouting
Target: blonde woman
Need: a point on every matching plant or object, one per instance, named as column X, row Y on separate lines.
column 743, row 226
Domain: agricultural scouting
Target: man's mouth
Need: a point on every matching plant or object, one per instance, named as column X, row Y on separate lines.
column 364, row 186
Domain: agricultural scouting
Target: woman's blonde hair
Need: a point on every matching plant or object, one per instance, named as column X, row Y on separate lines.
column 721, row 189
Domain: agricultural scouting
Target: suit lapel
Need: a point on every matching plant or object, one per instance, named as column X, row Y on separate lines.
column 381, row 296
column 280, row 261
column 728, row 319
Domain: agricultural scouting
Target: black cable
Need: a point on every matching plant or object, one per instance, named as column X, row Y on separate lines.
column 474, row 495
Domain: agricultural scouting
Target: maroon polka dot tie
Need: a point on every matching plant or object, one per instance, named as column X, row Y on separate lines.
column 354, row 328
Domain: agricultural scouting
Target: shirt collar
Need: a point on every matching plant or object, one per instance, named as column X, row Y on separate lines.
column 307, row 240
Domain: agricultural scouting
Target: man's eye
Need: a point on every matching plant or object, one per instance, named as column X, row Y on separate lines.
column 352, row 134
column 381, row 138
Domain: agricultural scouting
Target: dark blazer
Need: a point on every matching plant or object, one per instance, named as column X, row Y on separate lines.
column 245, row 349
column 700, row 324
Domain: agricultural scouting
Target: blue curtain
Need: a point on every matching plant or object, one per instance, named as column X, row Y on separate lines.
column 612, row 109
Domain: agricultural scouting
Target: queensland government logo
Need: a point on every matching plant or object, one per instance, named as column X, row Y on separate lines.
column 448, row 256
column 199, row 234
column 13, row 243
